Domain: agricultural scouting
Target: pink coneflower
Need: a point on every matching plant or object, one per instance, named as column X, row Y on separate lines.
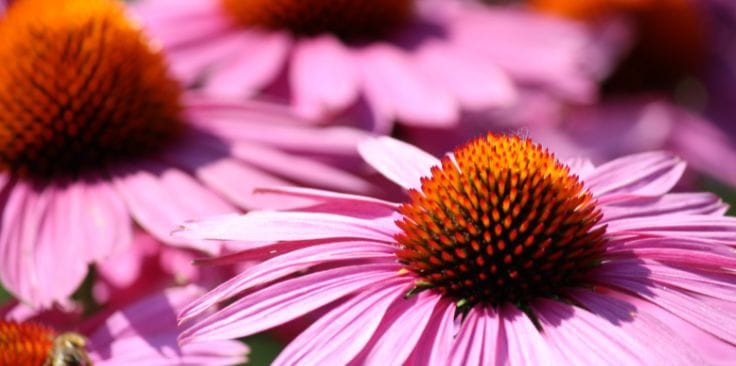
column 143, row 333
column 501, row 255
column 93, row 132
column 421, row 62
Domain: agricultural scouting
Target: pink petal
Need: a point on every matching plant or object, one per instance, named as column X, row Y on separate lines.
column 713, row 229
column 673, row 203
column 285, row 301
column 436, row 342
column 286, row 264
column 390, row 79
column 400, row 337
column 398, row 161
column 476, row 84
column 160, row 197
column 697, row 311
column 525, row 345
column 257, row 62
column 43, row 260
column 481, row 340
column 337, row 203
column 176, row 23
column 146, row 332
column 300, row 169
column 323, row 77
column 339, row 336
column 579, row 337
column 663, row 343
column 652, row 173
column 288, row 226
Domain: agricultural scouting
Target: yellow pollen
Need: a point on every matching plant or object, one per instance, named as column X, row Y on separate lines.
column 502, row 221
column 349, row 19
column 79, row 86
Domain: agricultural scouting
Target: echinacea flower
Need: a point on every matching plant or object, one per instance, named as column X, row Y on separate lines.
column 420, row 62
column 143, row 333
column 501, row 255
column 94, row 132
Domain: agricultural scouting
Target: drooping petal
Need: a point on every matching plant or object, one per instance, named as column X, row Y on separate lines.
column 149, row 183
column 286, row 264
column 398, row 340
column 436, row 342
column 285, row 301
column 341, row 334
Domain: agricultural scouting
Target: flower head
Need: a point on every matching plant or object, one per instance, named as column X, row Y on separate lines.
column 419, row 62
column 94, row 133
column 502, row 254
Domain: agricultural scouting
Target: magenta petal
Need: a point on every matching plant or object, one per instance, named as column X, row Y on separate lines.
column 436, row 342
column 398, row 340
column 284, row 226
column 160, row 197
column 390, row 78
column 323, row 77
column 284, row 301
column 579, row 337
column 672, row 203
column 481, row 340
column 259, row 58
column 652, row 173
column 145, row 333
column 713, row 229
column 398, row 161
column 339, row 336
column 474, row 82
column 286, row 264
column 663, row 343
column 332, row 202
column 524, row 343
column 697, row 311
column 44, row 258
column 300, row 169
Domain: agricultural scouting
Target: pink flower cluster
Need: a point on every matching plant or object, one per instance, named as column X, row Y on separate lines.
column 378, row 182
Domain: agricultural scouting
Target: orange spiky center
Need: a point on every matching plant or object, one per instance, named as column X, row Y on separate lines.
column 79, row 86
column 31, row 344
column 671, row 38
column 502, row 223
column 348, row 19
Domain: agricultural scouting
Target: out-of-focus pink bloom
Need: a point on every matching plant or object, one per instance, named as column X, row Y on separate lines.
column 621, row 126
column 446, row 57
column 94, row 135
column 143, row 333
column 149, row 266
column 502, row 255
column 685, row 51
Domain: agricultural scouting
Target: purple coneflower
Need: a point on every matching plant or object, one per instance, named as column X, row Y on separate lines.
column 420, row 62
column 94, row 132
column 501, row 255
column 142, row 333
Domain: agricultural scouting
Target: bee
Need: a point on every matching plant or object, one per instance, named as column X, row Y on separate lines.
column 68, row 350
